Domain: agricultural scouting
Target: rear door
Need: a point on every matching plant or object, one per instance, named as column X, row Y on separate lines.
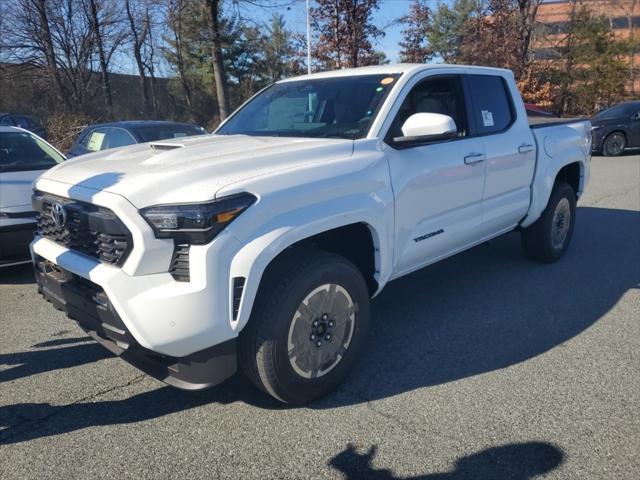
column 509, row 147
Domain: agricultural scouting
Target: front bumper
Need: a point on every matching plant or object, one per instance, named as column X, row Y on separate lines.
column 86, row 303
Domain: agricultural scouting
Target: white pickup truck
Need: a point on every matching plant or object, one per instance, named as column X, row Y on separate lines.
column 261, row 245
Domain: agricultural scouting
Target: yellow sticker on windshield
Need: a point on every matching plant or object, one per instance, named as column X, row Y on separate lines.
column 95, row 141
column 387, row 80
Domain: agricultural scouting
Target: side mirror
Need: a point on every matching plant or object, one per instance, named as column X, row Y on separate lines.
column 427, row 127
column 636, row 116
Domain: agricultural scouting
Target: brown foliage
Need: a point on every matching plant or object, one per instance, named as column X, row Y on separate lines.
column 63, row 129
column 414, row 35
column 346, row 32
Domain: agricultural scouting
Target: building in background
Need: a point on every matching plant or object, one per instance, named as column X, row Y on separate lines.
column 623, row 16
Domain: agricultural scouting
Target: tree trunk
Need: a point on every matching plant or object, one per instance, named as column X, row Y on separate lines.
column 176, row 27
column 138, row 40
column 95, row 27
column 50, row 53
column 213, row 10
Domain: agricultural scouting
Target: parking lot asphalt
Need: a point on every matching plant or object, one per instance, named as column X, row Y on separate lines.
column 484, row 366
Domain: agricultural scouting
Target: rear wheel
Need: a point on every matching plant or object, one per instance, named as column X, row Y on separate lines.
column 307, row 327
column 614, row 144
column 547, row 239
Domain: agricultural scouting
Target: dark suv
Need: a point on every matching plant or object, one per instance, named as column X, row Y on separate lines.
column 119, row 134
column 23, row 121
column 616, row 129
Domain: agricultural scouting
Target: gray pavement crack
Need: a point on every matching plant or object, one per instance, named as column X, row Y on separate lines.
column 396, row 421
column 620, row 193
column 37, row 422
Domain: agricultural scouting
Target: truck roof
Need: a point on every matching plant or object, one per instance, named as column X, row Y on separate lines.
column 390, row 69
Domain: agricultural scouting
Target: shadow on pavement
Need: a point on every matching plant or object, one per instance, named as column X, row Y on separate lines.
column 517, row 461
column 482, row 310
column 490, row 308
column 22, row 420
column 32, row 362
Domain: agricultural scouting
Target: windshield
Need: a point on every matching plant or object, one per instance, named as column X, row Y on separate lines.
column 617, row 111
column 152, row 133
column 20, row 151
column 339, row 107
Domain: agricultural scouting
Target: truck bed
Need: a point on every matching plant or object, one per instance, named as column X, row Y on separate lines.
column 541, row 122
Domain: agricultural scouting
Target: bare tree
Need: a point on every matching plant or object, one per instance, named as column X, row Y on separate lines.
column 27, row 40
column 139, row 31
column 175, row 50
column 105, row 24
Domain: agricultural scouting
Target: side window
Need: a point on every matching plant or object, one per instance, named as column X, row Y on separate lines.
column 6, row 121
column 434, row 95
column 118, row 137
column 95, row 140
column 491, row 105
column 22, row 122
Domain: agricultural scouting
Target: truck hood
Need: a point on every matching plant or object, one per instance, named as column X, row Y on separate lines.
column 191, row 169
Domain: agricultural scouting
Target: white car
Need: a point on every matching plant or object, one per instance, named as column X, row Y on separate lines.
column 23, row 157
column 260, row 246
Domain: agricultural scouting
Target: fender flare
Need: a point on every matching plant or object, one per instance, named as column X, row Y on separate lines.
column 545, row 177
column 256, row 255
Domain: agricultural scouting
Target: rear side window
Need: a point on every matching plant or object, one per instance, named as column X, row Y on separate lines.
column 152, row 133
column 118, row 137
column 22, row 122
column 6, row 120
column 491, row 103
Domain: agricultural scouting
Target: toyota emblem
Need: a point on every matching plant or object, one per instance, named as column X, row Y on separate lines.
column 58, row 214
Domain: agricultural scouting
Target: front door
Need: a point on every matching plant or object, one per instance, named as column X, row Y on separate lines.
column 438, row 186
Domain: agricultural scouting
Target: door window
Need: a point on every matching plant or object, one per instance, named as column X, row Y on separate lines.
column 435, row 95
column 7, row 121
column 491, row 103
column 22, row 122
column 118, row 137
column 95, row 141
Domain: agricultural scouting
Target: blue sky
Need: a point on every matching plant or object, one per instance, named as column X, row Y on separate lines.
column 386, row 17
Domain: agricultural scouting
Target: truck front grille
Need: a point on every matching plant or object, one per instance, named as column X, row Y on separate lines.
column 89, row 229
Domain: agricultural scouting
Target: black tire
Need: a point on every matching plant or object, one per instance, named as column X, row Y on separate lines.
column 614, row 144
column 538, row 241
column 264, row 352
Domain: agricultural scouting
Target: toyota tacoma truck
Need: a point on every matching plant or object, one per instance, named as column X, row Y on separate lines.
column 259, row 247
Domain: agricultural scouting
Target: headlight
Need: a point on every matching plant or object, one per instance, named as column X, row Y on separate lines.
column 196, row 223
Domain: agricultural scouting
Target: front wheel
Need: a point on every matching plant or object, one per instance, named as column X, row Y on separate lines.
column 547, row 239
column 307, row 327
column 614, row 144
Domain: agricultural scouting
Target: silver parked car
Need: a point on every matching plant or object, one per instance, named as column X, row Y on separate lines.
column 23, row 157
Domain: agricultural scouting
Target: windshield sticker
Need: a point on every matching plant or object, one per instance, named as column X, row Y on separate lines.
column 95, row 141
column 487, row 118
column 387, row 80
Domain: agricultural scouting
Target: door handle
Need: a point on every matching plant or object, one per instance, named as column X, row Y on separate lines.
column 474, row 158
column 525, row 148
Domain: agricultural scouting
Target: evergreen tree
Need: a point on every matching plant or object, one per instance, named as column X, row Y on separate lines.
column 449, row 26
